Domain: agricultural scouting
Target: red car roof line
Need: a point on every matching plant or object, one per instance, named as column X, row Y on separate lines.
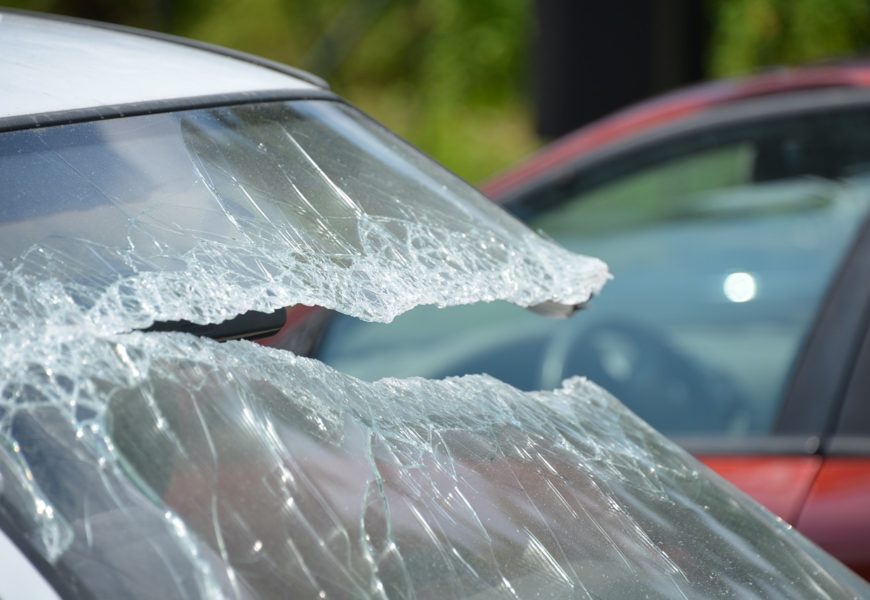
column 672, row 107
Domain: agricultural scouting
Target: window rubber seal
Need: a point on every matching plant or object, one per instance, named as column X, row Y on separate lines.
column 117, row 111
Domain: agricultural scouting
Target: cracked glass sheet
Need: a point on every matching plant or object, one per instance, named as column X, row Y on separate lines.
column 207, row 214
column 235, row 470
column 163, row 465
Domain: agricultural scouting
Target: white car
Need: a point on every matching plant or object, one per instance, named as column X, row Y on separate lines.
column 160, row 198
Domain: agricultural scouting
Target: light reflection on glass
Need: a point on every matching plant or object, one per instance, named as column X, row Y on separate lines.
column 739, row 287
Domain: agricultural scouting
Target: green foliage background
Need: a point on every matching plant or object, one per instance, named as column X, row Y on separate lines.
column 452, row 75
column 750, row 34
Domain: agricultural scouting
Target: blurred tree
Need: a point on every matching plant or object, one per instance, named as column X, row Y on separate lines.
column 750, row 34
column 151, row 14
column 447, row 74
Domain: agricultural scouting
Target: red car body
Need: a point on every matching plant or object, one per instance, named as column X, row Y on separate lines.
column 824, row 495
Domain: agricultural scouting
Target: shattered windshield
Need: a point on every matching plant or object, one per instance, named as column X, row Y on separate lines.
column 145, row 463
column 205, row 214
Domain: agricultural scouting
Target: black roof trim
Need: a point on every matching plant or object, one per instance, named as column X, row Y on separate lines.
column 115, row 111
column 176, row 39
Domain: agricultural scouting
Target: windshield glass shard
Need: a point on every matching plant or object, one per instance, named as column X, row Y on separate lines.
column 243, row 471
column 204, row 215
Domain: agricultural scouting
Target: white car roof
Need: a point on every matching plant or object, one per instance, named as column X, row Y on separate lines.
column 51, row 65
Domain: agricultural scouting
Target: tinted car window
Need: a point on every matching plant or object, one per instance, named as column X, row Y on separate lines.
column 722, row 246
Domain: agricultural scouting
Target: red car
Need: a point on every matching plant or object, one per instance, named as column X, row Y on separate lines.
column 733, row 216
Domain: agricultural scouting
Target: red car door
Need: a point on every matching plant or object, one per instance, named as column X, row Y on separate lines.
column 780, row 483
column 837, row 510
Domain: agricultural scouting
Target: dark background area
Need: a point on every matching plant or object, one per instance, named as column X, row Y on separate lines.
column 594, row 57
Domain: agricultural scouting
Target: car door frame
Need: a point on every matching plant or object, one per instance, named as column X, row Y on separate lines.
column 815, row 388
column 849, row 436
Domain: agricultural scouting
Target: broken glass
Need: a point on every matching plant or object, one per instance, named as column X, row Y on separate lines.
column 162, row 464
column 207, row 214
